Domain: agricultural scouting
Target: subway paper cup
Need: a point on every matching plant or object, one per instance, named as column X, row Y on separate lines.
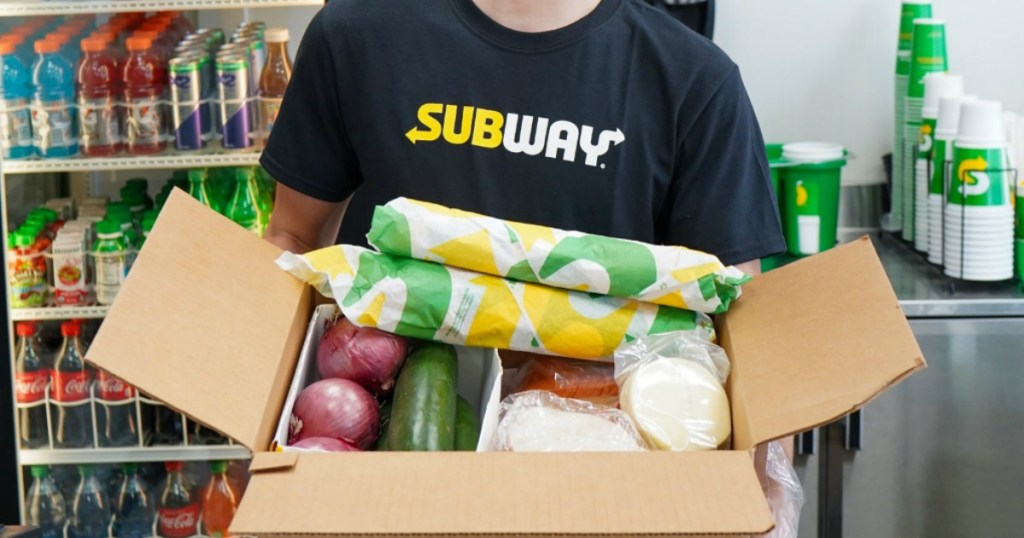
column 910, row 11
column 928, row 53
column 1020, row 259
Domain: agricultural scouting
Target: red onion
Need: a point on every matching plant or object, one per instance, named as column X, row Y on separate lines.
column 326, row 444
column 335, row 408
column 368, row 356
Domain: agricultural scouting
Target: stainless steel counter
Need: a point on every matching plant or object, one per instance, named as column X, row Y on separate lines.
column 925, row 292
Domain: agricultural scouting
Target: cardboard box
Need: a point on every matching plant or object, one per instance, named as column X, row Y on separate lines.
column 208, row 323
column 479, row 381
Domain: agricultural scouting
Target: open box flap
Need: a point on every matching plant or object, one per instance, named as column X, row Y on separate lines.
column 394, row 494
column 207, row 323
column 814, row 341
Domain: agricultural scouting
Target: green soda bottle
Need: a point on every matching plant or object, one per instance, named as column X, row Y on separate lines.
column 141, row 186
column 197, row 178
column 148, row 219
column 245, row 207
column 110, row 252
column 136, row 203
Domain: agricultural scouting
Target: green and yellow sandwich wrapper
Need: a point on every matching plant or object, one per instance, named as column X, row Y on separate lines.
column 431, row 301
column 663, row 275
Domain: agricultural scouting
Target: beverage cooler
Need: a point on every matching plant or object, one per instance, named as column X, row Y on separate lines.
column 106, row 107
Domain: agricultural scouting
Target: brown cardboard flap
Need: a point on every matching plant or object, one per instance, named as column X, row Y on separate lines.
column 205, row 323
column 813, row 341
column 447, row 493
column 273, row 461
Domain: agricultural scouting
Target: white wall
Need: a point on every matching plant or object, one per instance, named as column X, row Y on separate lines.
column 823, row 69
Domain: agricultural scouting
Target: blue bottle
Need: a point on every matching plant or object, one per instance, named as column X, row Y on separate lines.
column 15, row 117
column 90, row 509
column 53, row 111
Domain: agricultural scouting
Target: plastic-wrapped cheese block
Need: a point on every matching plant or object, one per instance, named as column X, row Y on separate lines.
column 677, row 404
column 540, row 421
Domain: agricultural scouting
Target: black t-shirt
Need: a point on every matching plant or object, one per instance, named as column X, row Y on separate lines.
column 624, row 123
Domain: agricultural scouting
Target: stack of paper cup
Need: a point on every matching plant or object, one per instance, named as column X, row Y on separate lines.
column 942, row 163
column 928, row 55
column 910, row 10
column 936, row 86
column 1019, row 236
column 979, row 216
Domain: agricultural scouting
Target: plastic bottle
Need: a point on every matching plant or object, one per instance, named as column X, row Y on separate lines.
column 53, row 116
column 31, row 375
column 116, row 421
column 141, row 185
column 220, row 500
column 15, row 116
column 26, row 270
column 136, row 203
column 90, row 509
column 145, row 81
column 97, row 100
column 110, row 253
column 178, row 509
column 44, row 504
column 134, row 510
column 70, row 380
column 197, row 189
column 148, row 220
column 246, row 208
column 275, row 76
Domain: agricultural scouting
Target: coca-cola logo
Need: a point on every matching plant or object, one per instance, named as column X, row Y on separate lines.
column 30, row 386
column 76, row 386
column 178, row 522
column 112, row 388
column 70, row 386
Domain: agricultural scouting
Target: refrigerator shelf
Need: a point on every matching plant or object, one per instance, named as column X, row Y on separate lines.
column 121, row 455
column 20, row 8
column 156, row 162
column 59, row 313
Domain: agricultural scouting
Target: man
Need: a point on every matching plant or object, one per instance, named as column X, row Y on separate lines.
column 605, row 116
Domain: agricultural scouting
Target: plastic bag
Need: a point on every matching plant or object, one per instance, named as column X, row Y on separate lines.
column 666, row 275
column 541, row 421
column 593, row 381
column 672, row 385
column 430, row 301
column 784, row 493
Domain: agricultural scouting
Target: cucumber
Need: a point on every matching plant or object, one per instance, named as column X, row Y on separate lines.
column 385, row 423
column 467, row 433
column 423, row 408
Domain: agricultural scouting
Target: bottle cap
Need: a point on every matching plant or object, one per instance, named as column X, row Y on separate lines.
column 24, row 238
column 108, row 226
column 151, row 35
column 40, row 471
column 130, row 467
column 7, row 45
column 218, row 466
column 17, row 39
column 70, row 328
column 137, row 43
column 276, row 35
column 138, row 183
column 46, row 46
column 172, row 466
column 86, row 469
column 25, row 329
column 93, row 44
column 60, row 36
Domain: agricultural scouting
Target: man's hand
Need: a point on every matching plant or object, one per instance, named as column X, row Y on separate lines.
column 301, row 223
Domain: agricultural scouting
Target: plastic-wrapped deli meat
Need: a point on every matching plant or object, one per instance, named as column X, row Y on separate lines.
column 665, row 275
column 433, row 302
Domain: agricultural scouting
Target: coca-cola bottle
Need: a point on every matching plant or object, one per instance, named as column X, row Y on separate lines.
column 44, row 505
column 72, row 413
column 116, row 421
column 90, row 509
column 201, row 435
column 133, row 512
column 177, row 514
column 163, row 424
column 31, row 374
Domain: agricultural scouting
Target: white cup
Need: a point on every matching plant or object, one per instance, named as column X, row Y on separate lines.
column 812, row 152
column 981, row 124
column 938, row 86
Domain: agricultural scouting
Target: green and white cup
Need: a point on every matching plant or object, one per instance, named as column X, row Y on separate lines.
column 910, row 11
column 937, row 86
column 896, row 189
column 946, row 126
column 810, row 189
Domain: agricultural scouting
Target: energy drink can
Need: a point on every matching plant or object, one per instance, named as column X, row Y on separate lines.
column 232, row 96
column 186, row 103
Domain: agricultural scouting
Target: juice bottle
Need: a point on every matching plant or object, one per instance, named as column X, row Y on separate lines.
column 145, row 80
column 53, row 116
column 97, row 100
column 220, row 500
column 26, row 271
column 110, row 253
column 276, row 74
column 15, row 117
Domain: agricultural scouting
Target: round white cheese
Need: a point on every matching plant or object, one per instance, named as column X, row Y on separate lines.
column 677, row 405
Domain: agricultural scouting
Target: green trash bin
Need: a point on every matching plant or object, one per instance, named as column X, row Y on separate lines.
column 810, row 193
column 776, row 163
